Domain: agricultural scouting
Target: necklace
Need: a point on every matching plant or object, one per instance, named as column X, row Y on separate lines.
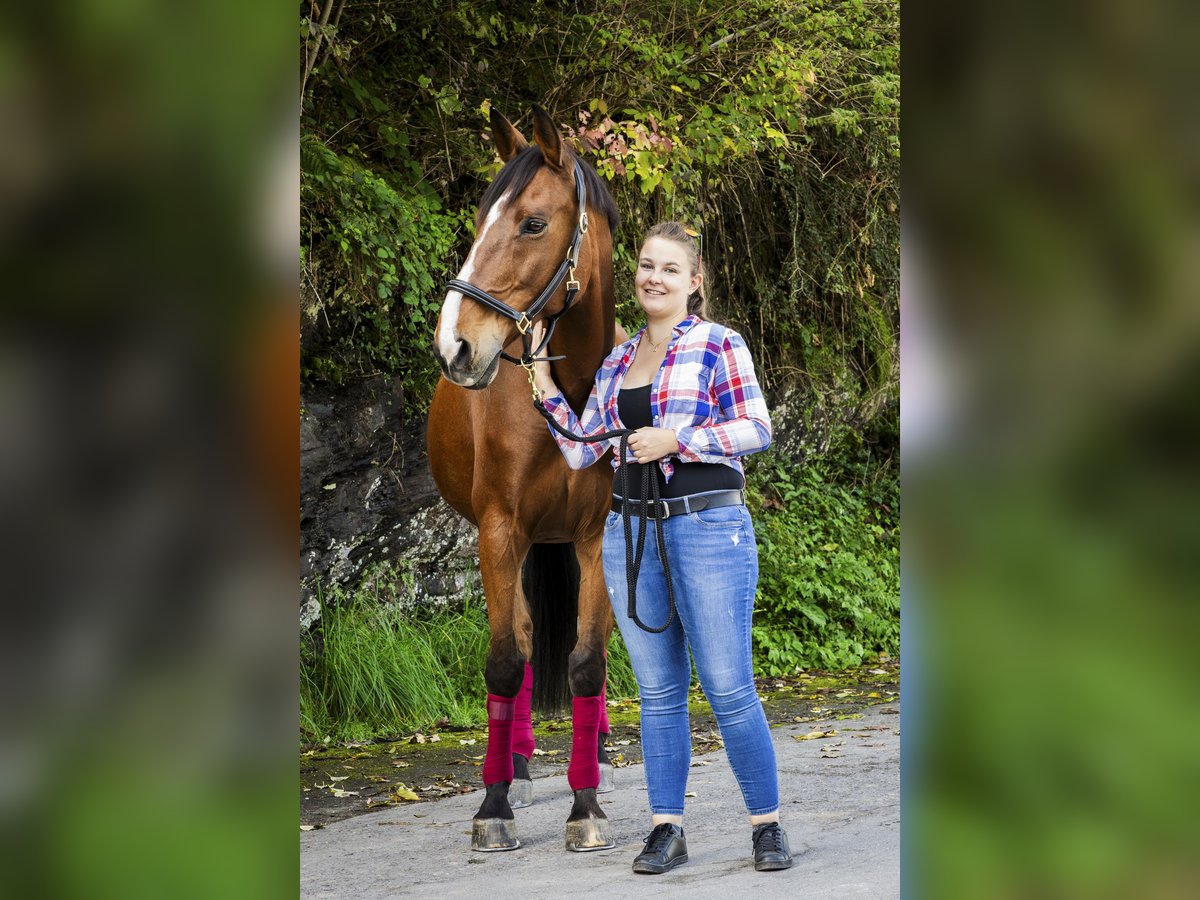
column 653, row 346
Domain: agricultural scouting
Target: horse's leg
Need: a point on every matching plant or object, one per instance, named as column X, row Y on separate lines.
column 494, row 827
column 520, row 792
column 606, row 767
column 587, row 826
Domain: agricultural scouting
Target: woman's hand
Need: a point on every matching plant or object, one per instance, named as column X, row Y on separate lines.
column 541, row 370
column 649, row 444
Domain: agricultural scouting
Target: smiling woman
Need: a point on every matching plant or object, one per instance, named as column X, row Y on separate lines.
column 688, row 387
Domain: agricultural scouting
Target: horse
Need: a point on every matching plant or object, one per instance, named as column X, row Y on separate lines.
column 545, row 220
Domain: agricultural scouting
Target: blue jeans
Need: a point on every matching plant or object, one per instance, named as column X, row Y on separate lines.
column 714, row 567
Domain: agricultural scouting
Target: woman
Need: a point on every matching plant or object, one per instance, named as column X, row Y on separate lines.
column 687, row 385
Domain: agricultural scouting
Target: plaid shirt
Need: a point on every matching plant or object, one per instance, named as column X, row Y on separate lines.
column 705, row 391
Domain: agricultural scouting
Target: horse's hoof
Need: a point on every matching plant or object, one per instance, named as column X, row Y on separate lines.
column 606, row 779
column 489, row 835
column 590, row 834
column 520, row 793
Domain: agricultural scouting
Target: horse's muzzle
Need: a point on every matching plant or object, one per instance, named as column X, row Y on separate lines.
column 461, row 371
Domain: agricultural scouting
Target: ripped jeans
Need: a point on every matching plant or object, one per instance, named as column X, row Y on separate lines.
column 714, row 567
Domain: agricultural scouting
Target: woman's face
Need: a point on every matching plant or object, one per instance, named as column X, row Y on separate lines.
column 664, row 280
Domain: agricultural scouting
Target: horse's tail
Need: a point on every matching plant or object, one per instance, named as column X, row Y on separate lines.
column 550, row 580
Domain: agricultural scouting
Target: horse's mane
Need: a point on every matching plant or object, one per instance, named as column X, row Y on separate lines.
column 519, row 171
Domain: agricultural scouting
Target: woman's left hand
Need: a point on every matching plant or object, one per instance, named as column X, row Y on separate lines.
column 649, row 444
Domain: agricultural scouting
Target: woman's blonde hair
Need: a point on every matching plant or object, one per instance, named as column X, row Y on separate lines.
column 693, row 242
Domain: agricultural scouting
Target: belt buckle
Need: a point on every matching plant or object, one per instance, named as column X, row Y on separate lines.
column 666, row 509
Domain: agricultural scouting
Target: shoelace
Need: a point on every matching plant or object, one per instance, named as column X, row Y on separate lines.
column 772, row 834
column 659, row 838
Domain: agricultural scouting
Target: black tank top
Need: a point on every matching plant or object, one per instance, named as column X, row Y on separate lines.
column 633, row 406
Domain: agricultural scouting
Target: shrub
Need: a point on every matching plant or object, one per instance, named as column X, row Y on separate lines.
column 829, row 564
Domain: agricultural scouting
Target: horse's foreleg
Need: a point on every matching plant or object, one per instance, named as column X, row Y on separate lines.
column 587, row 826
column 494, row 827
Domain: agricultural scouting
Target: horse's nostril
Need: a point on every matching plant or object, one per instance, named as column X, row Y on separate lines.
column 463, row 356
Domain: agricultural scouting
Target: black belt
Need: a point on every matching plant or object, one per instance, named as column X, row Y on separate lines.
column 681, row 506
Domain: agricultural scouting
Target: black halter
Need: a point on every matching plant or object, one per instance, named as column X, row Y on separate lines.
column 524, row 318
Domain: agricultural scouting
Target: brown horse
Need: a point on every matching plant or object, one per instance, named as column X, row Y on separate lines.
column 492, row 457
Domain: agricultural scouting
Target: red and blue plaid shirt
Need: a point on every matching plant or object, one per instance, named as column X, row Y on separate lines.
column 705, row 391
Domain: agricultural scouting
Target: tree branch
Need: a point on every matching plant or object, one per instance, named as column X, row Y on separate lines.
column 311, row 59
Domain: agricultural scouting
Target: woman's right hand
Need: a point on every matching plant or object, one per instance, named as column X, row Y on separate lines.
column 541, row 370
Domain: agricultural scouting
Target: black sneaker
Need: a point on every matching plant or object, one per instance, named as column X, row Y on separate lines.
column 665, row 849
column 771, row 848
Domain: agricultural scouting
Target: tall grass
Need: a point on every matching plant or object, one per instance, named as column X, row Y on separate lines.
column 376, row 671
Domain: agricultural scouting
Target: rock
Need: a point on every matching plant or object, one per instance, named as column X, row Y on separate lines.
column 368, row 502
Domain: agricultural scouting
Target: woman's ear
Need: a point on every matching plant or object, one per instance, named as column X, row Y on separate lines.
column 695, row 283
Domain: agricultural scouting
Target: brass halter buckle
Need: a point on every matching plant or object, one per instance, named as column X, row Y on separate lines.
column 528, row 366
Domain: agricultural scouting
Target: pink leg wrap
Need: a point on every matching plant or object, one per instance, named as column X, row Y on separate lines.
column 497, row 764
column 522, row 731
column 604, row 729
column 584, row 770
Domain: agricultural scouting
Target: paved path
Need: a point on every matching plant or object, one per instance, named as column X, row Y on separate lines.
column 840, row 805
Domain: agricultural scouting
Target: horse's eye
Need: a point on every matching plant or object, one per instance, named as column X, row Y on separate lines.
column 533, row 226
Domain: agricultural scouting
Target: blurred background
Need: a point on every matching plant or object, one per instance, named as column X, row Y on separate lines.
column 1049, row 345
column 148, row 450
column 148, row 441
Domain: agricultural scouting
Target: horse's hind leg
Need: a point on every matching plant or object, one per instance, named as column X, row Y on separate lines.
column 587, row 826
column 606, row 766
column 494, row 827
column 520, row 792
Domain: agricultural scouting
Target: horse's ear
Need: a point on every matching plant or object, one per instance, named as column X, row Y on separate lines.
column 507, row 139
column 546, row 136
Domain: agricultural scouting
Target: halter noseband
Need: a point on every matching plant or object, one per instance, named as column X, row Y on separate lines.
column 524, row 318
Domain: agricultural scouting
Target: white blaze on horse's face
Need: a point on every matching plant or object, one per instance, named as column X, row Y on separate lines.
column 459, row 366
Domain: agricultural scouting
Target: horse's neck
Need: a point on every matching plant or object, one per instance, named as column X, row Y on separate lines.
column 584, row 338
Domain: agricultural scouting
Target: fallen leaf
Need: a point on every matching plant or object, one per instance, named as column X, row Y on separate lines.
column 875, row 695
column 338, row 777
column 400, row 763
column 404, row 792
column 813, row 735
column 878, row 672
column 470, row 742
column 307, row 827
column 690, row 794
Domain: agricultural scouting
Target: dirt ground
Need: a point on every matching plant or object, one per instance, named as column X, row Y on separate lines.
column 338, row 782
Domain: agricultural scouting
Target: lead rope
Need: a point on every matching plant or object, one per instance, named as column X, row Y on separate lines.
column 633, row 559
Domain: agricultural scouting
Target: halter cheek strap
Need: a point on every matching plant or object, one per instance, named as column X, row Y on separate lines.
column 524, row 318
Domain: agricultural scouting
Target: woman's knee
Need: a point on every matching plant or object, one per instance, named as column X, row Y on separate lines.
column 731, row 694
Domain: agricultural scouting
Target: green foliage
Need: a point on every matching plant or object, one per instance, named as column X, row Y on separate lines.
column 829, row 564
column 373, row 670
column 374, row 250
column 773, row 127
column 379, row 671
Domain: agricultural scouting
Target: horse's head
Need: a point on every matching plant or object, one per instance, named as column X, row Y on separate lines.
column 523, row 231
